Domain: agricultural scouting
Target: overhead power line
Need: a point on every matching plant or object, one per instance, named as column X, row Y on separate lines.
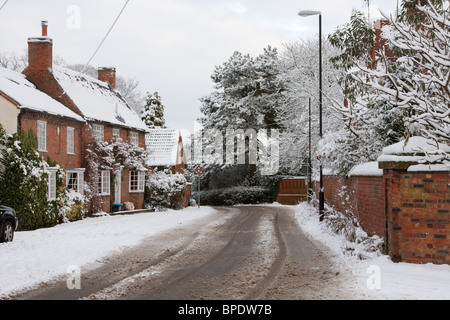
column 106, row 36
column 101, row 43
column 3, row 5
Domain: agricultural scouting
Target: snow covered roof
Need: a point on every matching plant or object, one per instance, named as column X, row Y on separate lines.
column 164, row 147
column 97, row 100
column 27, row 96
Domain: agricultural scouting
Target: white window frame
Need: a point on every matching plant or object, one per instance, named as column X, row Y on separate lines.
column 104, row 182
column 75, row 177
column 70, row 140
column 42, row 136
column 137, row 181
column 51, row 184
column 134, row 139
column 116, row 133
column 98, row 132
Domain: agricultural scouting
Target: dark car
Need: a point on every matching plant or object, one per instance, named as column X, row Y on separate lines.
column 8, row 223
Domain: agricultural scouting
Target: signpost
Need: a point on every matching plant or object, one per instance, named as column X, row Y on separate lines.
column 199, row 172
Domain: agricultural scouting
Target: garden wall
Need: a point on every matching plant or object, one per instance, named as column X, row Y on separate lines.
column 361, row 196
column 409, row 208
column 406, row 203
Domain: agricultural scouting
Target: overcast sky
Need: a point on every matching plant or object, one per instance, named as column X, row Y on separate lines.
column 170, row 46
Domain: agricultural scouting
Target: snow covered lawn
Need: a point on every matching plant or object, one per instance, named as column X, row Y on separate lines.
column 43, row 254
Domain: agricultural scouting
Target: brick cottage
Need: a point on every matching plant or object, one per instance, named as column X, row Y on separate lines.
column 77, row 110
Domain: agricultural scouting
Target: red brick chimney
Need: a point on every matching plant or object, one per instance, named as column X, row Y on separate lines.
column 40, row 51
column 107, row 74
column 44, row 28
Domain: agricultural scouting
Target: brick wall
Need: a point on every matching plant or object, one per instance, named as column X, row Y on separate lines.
column 361, row 197
column 410, row 210
column 419, row 216
column 137, row 198
column 56, row 137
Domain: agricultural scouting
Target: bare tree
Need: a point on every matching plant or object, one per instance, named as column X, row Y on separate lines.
column 10, row 60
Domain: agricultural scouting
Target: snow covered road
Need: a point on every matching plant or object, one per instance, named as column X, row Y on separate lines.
column 118, row 248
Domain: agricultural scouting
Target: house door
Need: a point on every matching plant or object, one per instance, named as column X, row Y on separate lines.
column 118, row 187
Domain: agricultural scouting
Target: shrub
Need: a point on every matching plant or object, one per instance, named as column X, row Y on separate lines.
column 165, row 191
column 73, row 208
column 236, row 195
column 24, row 182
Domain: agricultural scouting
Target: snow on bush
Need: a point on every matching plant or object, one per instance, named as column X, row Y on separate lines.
column 237, row 195
column 358, row 243
column 165, row 191
column 73, row 206
column 24, row 181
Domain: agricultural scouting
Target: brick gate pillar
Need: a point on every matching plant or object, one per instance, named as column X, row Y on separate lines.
column 417, row 205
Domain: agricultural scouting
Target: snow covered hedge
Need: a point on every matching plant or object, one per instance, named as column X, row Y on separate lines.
column 236, row 195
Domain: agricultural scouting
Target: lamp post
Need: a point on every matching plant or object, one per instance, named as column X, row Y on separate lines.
column 309, row 164
column 307, row 13
column 309, row 157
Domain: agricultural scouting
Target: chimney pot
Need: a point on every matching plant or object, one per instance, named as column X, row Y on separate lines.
column 44, row 25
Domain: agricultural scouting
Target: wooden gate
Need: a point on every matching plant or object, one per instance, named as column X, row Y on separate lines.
column 293, row 191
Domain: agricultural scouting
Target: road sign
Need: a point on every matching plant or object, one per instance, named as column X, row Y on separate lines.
column 199, row 171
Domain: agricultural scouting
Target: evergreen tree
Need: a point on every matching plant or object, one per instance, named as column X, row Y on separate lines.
column 247, row 96
column 153, row 114
column 247, row 93
column 24, row 182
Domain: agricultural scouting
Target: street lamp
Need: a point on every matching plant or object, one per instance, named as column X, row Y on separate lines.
column 307, row 13
column 309, row 168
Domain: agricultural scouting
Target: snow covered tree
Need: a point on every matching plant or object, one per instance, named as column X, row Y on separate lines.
column 247, row 93
column 368, row 125
column 299, row 66
column 24, row 181
column 114, row 155
column 397, row 83
column 417, row 81
column 12, row 61
column 247, row 96
column 153, row 113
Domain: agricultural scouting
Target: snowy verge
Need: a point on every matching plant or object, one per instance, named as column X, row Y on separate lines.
column 38, row 256
column 376, row 276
